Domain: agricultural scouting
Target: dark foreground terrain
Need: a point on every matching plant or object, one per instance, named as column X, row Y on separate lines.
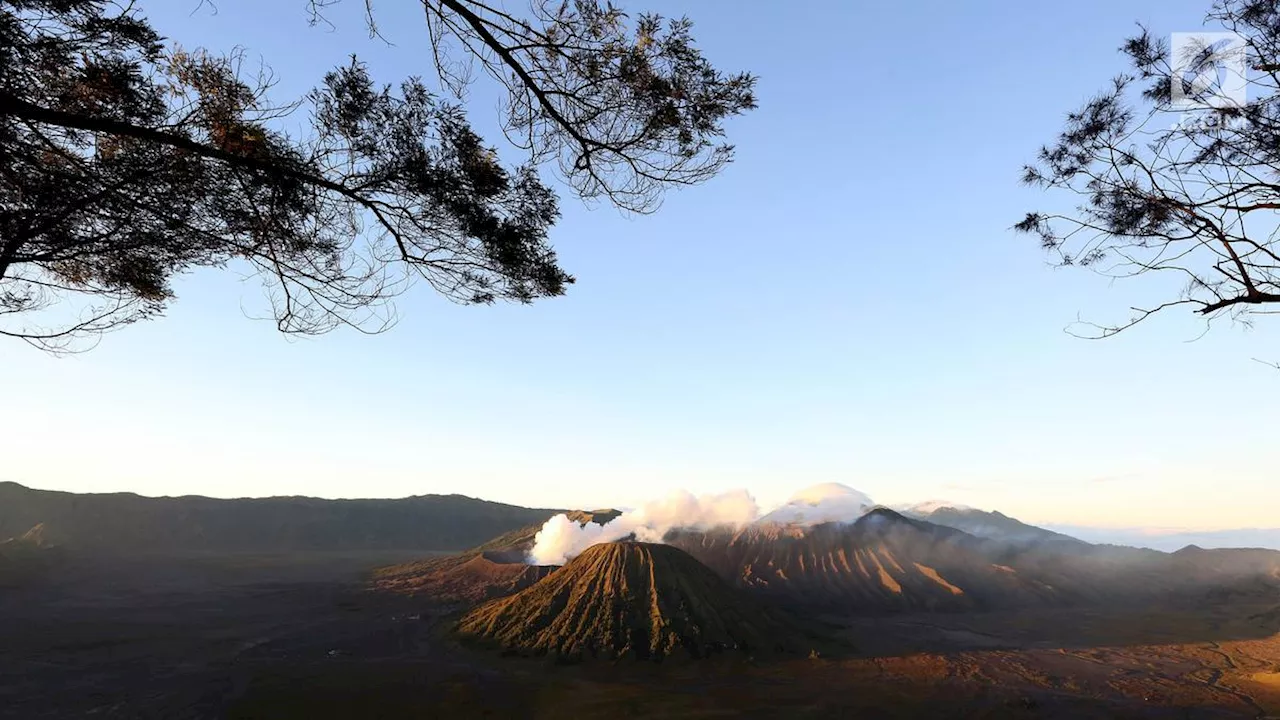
column 260, row 636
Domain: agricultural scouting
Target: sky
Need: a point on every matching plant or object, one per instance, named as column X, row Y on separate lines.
column 845, row 303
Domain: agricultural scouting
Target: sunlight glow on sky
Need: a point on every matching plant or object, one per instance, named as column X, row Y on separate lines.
column 844, row 304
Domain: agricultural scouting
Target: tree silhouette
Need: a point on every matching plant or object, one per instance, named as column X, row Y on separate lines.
column 124, row 162
column 1177, row 178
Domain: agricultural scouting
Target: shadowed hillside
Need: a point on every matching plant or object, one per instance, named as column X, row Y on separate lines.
column 26, row 558
column 629, row 599
column 128, row 523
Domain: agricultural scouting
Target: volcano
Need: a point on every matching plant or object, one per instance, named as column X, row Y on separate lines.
column 629, row 599
column 495, row 569
column 882, row 562
column 886, row 562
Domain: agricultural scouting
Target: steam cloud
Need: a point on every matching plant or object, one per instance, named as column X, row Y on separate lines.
column 561, row 539
column 828, row 502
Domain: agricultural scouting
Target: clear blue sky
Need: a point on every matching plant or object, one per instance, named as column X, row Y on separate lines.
column 844, row 303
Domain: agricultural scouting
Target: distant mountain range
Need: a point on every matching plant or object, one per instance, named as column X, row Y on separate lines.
column 933, row 556
column 986, row 524
column 998, row 526
column 726, row 587
column 126, row 523
column 1171, row 540
column 882, row 562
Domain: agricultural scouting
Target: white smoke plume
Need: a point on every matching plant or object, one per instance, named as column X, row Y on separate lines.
column 561, row 539
column 828, row 502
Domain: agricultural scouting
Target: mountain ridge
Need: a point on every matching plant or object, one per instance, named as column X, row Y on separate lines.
column 881, row 562
column 99, row 523
column 991, row 524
